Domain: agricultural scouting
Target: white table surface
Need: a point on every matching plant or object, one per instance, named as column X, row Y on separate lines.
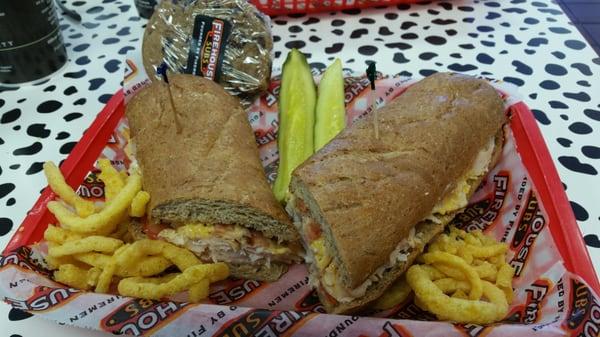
column 530, row 43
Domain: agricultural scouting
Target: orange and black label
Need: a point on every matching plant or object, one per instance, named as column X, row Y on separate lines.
column 298, row 287
column 482, row 214
column 271, row 171
column 44, row 299
column 262, row 323
column 527, row 219
column 266, row 136
column 529, row 227
column 207, row 48
column 470, row 216
column 141, row 316
column 25, row 258
column 473, row 330
column 234, row 291
column 412, row 311
column 310, row 302
column 92, row 187
column 530, row 311
column 394, row 330
column 583, row 318
column 130, row 69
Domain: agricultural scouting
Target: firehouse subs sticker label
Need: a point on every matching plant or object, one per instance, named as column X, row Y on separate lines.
column 27, row 258
column 548, row 300
column 209, row 40
column 583, row 318
column 141, row 316
column 45, row 298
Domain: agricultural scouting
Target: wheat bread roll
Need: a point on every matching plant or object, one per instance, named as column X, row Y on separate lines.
column 199, row 158
column 368, row 193
column 425, row 231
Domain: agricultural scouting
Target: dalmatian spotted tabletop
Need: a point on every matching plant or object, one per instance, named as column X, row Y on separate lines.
column 528, row 43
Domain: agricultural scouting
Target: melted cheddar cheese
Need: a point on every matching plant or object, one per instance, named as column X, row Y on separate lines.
column 234, row 233
column 322, row 259
column 199, row 231
column 457, row 197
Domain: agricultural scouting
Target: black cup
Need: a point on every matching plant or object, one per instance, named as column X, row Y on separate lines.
column 31, row 44
column 145, row 7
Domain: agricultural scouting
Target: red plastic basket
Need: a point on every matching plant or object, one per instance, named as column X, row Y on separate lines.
column 530, row 142
column 282, row 7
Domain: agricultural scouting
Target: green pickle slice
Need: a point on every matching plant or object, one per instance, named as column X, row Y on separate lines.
column 330, row 110
column 297, row 101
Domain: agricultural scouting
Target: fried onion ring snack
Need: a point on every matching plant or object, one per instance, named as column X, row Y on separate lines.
column 90, row 251
column 463, row 278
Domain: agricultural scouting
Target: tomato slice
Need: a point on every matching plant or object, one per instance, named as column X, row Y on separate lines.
column 328, row 297
column 301, row 206
column 152, row 230
column 313, row 231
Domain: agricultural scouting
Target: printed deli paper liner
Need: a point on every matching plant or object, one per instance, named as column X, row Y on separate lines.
column 549, row 300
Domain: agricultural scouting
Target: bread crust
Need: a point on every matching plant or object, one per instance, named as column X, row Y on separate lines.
column 428, row 138
column 195, row 146
column 426, row 230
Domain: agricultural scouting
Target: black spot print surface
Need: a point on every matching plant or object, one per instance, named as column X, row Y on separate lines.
column 524, row 42
column 580, row 128
column 28, row 150
column 44, row 122
column 70, row 91
column 34, row 168
column 573, row 164
column 592, row 240
column 5, row 189
column 10, row 116
column 591, row 151
column 49, row 106
column 580, row 213
column 555, row 69
column 72, row 116
column 38, row 130
column 563, row 141
column 540, row 116
column 592, row 114
column 6, row 226
column 549, row 84
column 18, row 315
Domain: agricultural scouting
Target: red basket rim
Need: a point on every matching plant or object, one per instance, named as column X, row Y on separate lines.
column 531, row 145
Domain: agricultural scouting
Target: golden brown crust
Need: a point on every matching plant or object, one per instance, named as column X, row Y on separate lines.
column 428, row 138
column 193, row 142
column 426, row 231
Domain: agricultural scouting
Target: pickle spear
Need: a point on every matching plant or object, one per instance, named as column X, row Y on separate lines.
column 297, row 100
column 330, row 111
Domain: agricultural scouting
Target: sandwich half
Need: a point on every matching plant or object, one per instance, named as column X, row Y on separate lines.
column 366, row 206
column 201, row 166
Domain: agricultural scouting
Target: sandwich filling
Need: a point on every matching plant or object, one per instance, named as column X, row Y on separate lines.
column 232, row 244
column 321, row 259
